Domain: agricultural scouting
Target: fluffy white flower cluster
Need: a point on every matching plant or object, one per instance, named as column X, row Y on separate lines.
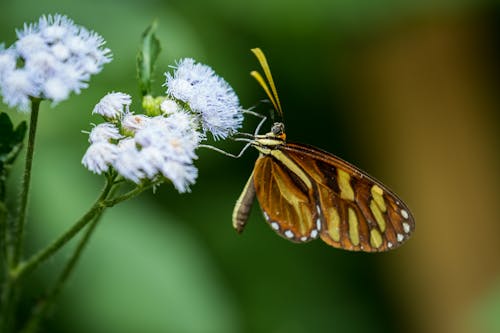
column 50, row 59
column 208, row 95
column 161, row 145
column 141, row 147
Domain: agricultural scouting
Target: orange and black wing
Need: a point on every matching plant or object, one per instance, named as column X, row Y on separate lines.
column 305, row 192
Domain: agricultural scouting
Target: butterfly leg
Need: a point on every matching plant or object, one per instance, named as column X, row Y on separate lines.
column 225, row 152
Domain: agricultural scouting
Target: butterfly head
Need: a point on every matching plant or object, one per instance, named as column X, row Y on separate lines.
column 278, row 129
column 277, row 132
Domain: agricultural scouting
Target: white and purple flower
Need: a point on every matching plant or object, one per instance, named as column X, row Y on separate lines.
column 54, row 58
column 142, row 148
column 206, row 94
column 162, row 145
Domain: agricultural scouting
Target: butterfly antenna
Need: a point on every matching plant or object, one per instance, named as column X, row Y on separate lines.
column 271, row 92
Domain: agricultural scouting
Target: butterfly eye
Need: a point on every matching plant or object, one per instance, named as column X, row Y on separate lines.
column 278, row 128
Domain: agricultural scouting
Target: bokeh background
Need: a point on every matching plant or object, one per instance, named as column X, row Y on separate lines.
column 407, row 90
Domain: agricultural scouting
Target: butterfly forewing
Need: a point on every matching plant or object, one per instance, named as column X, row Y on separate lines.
column 305, row 191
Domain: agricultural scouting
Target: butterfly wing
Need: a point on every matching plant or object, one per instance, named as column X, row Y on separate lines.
column 302, row 189
column 286, row 198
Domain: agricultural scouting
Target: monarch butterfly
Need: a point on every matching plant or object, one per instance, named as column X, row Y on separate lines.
column 306, row 193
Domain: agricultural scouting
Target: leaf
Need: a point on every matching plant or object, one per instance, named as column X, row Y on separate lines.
column 11, row 143
column 146, row 58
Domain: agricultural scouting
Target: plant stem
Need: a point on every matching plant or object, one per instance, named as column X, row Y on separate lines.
column 44, row 304
column 18, row 228
column 128, row 195
column 3, row 235
column 45, row 253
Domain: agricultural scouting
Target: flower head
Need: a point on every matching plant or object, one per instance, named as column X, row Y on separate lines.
column 208, row 95
column 113, row 105
column 131, row 122
column 99, row 156
column 182, row 175
column 169, row 106
column 147, row 148
column 128, row 162
column 161, row 144
column 104, row 132
column 57, row 57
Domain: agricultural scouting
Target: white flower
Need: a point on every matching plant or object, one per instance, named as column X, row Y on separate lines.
column 219, row 108
column 104, row 132
column 169, row 106
column 16, row 88
column 182, row 175
column 133, row 122
column 113, row 105
column 159, row 147
column 169, row 146
column 180, row 88
column 56, row 89
column 183, row 84
column 128, row 162
column 208, row 95
column 100, row 156
column 29, row 44
column 7, row 62
column 153, row 159
column 60, row 51
column 174, row 136
column 58, row 56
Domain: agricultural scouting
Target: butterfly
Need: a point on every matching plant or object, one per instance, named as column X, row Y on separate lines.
column 306, row 193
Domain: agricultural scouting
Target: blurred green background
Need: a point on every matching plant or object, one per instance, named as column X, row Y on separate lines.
column 407, row 90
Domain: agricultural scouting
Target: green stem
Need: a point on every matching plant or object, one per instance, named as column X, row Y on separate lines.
column 18, row 228
column 8, row 296
column 45, row 253
column 3, row 235
column 45, row 303
column 126, row 196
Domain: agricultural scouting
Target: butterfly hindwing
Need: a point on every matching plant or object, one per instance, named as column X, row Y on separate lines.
column 286, row 200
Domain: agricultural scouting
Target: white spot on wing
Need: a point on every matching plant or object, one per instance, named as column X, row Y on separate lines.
column 404, row 214
column 318, row 224
column 275, row 226
column 389, row 244
column 406, row 227
column 289, row 234
column 266, row 216
column 318, row 209
column 303, row 238
column 400, row 237
column 314, row 233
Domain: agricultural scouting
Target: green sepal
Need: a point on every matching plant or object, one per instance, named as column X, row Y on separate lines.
column 146, row 58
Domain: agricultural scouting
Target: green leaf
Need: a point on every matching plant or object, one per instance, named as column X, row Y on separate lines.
column 11, row 143
column 146, row 58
